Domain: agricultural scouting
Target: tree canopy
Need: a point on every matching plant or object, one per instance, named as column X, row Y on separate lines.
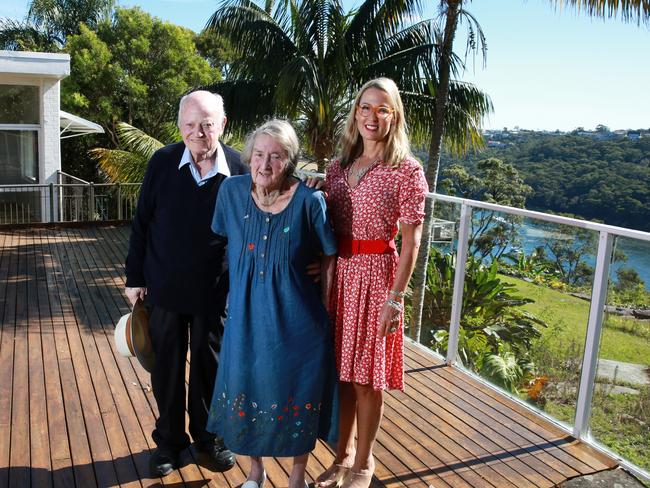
column 597, row 180
column 305, row 60
column 133, row 69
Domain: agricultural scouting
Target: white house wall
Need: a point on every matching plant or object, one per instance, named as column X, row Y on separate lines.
column 49, row 142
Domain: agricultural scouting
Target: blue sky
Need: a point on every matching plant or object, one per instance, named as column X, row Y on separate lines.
column 546, row 68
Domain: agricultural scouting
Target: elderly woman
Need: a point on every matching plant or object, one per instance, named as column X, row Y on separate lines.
column 375, row 186
column 276, row 383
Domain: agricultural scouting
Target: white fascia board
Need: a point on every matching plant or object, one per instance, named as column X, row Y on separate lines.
column 47, row 65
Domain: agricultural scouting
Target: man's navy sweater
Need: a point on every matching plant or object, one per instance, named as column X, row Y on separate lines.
column 172, row 250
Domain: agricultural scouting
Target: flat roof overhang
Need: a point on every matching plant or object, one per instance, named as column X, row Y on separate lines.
column 47, row 65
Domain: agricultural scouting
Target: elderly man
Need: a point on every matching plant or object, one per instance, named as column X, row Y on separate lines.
column 177, row 267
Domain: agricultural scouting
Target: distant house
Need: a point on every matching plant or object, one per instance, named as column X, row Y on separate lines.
column 32, row 123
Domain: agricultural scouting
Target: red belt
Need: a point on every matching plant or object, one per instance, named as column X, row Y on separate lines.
column 347, row 247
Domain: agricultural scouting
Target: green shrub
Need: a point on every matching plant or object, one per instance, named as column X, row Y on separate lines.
column 496, row 333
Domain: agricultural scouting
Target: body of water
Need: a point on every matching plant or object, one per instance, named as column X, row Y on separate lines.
column 637, row 252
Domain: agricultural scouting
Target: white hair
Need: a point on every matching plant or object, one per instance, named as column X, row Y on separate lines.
column 215, row 97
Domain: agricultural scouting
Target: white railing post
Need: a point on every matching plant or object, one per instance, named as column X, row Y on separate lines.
column 459, row 282
column 594, row 329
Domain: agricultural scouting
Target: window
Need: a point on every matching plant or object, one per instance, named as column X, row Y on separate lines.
column 18, row 157
column 19, row 127
column 19, row 104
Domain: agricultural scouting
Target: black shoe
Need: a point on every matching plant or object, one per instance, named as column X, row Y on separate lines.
column 162, row 462
column 220, row 458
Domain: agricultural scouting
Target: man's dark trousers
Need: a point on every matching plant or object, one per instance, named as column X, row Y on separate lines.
column 169, row 334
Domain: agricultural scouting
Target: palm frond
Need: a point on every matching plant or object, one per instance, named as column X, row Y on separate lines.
column 476, row 41
column 637, row 11
column 463, row 121
column 128, row 163
column 247, row 103
column 120, row 166
column 258, row 39
column 25, row 36
column 137, row 141
column 376, row 20
column 298, row 76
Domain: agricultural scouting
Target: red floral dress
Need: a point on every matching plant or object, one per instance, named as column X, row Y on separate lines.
column 370, row 210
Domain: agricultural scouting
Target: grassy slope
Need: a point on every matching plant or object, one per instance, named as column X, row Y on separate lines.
column 571, row 314
column 623, row 339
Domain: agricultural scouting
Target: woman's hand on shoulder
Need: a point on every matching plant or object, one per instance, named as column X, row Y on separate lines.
column 316, row 182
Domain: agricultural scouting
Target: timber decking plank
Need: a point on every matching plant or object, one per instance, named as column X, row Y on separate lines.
column 111, row 308
column 108, row 391
column 41, row 468
column 116, row 250
column 88, row 369
column 411, row 471
column 20, row 457
column 113, row 393
column 82, row 460
column 430, row 453
column 497, row 444
column 470, row 451
column 136, row 377
column 190, row 469
column 473, row 440
column 7, row 310
column 50, row 311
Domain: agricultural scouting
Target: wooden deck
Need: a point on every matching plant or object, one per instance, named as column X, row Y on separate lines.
column 75, row 413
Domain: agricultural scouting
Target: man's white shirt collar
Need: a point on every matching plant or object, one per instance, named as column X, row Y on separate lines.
column 221, row 166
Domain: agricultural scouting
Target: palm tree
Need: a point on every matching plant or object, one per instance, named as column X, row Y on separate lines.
column 24, row 36
column 305, row 59
column 452, row 10
column 62, row 17
column 128, row 163
column 49, row 22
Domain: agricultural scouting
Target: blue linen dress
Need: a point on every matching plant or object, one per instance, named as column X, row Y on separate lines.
column 276, row 391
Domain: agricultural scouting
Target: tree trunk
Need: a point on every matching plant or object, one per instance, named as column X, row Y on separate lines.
column 323, row 148
column 435, row 147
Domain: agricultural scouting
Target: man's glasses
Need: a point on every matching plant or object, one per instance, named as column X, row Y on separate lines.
column 382, row 111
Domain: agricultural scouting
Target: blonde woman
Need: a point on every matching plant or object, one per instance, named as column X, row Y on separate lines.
column 375, row 187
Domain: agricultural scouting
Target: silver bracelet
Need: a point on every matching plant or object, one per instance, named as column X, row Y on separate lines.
column 394, row 304
column 398, row 294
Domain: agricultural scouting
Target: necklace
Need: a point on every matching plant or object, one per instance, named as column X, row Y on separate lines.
column 359, row 173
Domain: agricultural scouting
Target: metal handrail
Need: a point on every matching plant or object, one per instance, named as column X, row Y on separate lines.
column 71, row 202
column 556, row 219
column 595, row 321
column 74, row 178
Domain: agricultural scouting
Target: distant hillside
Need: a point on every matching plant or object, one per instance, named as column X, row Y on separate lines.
column 606, row 180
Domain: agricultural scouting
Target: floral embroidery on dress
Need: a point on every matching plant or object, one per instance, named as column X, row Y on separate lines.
column 299, row 421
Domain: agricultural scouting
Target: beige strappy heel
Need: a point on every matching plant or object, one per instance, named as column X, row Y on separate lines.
column 332, row 476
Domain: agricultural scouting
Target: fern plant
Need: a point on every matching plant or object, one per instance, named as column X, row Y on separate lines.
column 496, row 334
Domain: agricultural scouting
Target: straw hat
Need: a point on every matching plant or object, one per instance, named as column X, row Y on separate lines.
column 132, row 336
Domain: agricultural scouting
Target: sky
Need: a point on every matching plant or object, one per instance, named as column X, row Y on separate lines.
column 546, row 68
